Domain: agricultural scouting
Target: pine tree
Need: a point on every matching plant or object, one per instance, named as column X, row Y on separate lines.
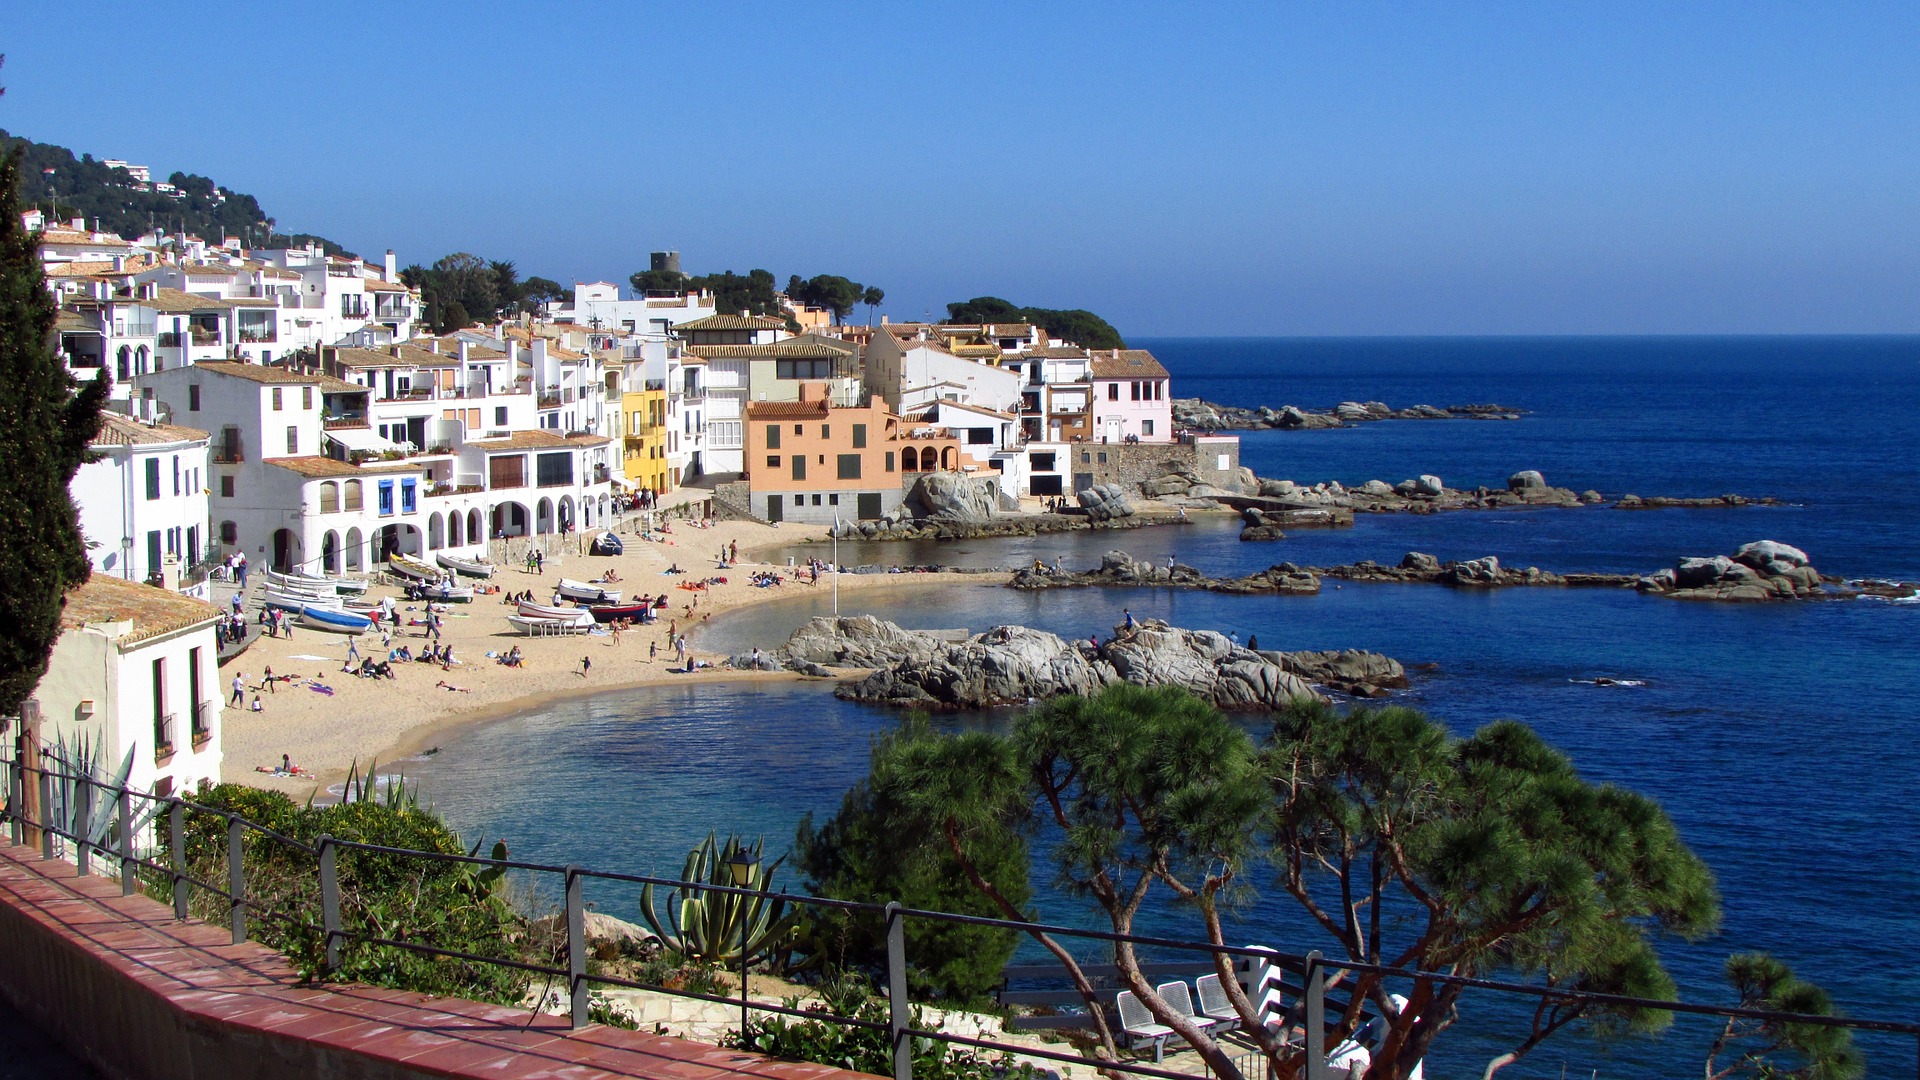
column 45, row 430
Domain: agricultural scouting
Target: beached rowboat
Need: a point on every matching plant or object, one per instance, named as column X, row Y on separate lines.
column 587, row 592
column 448, row 594
column 471, row 567
column 548, row 626
column 334, row 619
column 531, row 610
column 413, row 568
column 319, row 583
column 641, row 612
column 295, row 600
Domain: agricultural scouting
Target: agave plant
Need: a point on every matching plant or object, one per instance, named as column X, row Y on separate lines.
column 84, row 757
column 718, row 926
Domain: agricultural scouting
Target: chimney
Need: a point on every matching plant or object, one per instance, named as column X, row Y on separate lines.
column 119, row 264
column 463, row 350
column 392, row 274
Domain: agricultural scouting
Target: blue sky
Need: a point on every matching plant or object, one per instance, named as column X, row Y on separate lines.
column 1343, row 168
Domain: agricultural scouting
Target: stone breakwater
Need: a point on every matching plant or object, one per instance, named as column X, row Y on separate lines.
column 1013, row 665
column 1763, row 570
column 1210, row 416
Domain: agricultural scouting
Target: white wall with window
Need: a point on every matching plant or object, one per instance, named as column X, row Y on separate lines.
column 144, row 503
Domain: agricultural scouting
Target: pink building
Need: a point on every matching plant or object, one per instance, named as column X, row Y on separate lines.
column 1132, row 397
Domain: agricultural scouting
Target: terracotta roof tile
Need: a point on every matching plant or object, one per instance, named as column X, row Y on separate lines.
column 733, row 322
column 1127, row 364
column 785, row 410
column 779, row 350
column 152, row 611
column 118, row 430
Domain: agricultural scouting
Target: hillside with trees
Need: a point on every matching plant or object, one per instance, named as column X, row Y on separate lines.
column 1077, row 325
column 64, row 187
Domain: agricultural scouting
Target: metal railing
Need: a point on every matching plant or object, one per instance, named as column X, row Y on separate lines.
column 1309, row 1015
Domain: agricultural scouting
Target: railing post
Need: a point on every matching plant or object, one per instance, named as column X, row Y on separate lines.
column 1316, row 1018
column 82, row 824
column 16, row 802
column 237, row 878
column 576, row 951
column 127, row 882
column 46, row 813
column 177, row 827
column 329, row 903
column 899, row 1010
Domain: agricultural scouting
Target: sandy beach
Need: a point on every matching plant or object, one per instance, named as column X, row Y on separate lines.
column 367, row 719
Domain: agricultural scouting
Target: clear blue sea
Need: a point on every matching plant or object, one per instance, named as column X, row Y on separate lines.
column 1783, row 739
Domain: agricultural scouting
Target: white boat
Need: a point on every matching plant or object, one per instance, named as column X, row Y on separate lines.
column 318, row 583
column 479, row 568
column 295, row 600
column 548, row 626
column 443, row 593
column 413, row 568
column 530, row 610
column 588, row 592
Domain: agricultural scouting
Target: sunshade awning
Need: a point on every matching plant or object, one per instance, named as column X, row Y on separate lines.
column 362, row 439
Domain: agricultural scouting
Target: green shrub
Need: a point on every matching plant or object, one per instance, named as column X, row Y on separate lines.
column 865, row 1050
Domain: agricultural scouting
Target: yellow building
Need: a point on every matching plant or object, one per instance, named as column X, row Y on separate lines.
column 644, row 456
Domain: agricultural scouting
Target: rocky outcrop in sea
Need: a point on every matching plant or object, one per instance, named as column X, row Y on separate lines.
column 1117, row 568
column 1210, row 416
column 1012, row 665
column 1760, row 571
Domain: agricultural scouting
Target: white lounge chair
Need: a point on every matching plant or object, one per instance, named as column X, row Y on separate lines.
column 1139, row 1026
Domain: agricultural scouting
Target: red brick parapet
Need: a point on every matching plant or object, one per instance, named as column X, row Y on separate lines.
column 139, row 995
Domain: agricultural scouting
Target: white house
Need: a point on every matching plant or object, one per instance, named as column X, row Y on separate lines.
column 135, row 670
column 597, row 305
column 909, row 374
column 143, row 503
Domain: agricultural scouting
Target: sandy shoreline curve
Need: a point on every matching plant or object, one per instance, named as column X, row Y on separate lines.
column 367, row 719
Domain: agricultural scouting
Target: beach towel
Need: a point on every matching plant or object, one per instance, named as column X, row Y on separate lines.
column 309, row 656
column 319, row 688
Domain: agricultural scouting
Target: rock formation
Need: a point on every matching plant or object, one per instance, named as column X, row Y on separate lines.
column 952, row 496
column 1117, row 568
column 1201, row 415
column 1763, row 570
column 1011, row 665
column 1106, row 502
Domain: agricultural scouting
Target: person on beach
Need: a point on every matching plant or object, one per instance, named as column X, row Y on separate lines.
column 256, row 706
column 586, row 666
column 353, row 648
column 445, row 685
column 539, row 562
column 653, row 651
column 286, row 764
column 268, row 680
column 680, row 650
column 1129, row 616
column 239, row 689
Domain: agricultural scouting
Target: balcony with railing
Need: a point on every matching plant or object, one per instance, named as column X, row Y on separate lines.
column 338, row 423
column 163, row 725
column 257, row 335
column 229, row 452
column 202, row 723
column 601, row 474
column 169, row 340
column 549, row 401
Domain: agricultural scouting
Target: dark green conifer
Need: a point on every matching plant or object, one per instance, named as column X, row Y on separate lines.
column 45, row 429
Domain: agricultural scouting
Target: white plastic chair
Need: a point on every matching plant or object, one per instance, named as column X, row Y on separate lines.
column 1181, row 1002
column 1214, row 1003
column 1139, row 1026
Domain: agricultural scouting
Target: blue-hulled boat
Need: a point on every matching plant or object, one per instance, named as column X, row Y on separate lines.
column 335, row 619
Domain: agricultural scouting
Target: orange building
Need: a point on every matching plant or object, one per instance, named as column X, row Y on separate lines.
column 807, row 461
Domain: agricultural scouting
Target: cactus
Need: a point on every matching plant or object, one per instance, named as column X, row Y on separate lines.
column 715, row 926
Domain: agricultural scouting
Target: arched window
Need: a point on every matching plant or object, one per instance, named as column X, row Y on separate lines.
column 126, row 362
column 436, row 532
column 329, row 498
column 353, row 495
column 454, row 521
column 140, row 361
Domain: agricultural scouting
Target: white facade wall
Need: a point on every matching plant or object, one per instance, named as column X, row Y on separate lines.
column 145, row 507
column 102, row 687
